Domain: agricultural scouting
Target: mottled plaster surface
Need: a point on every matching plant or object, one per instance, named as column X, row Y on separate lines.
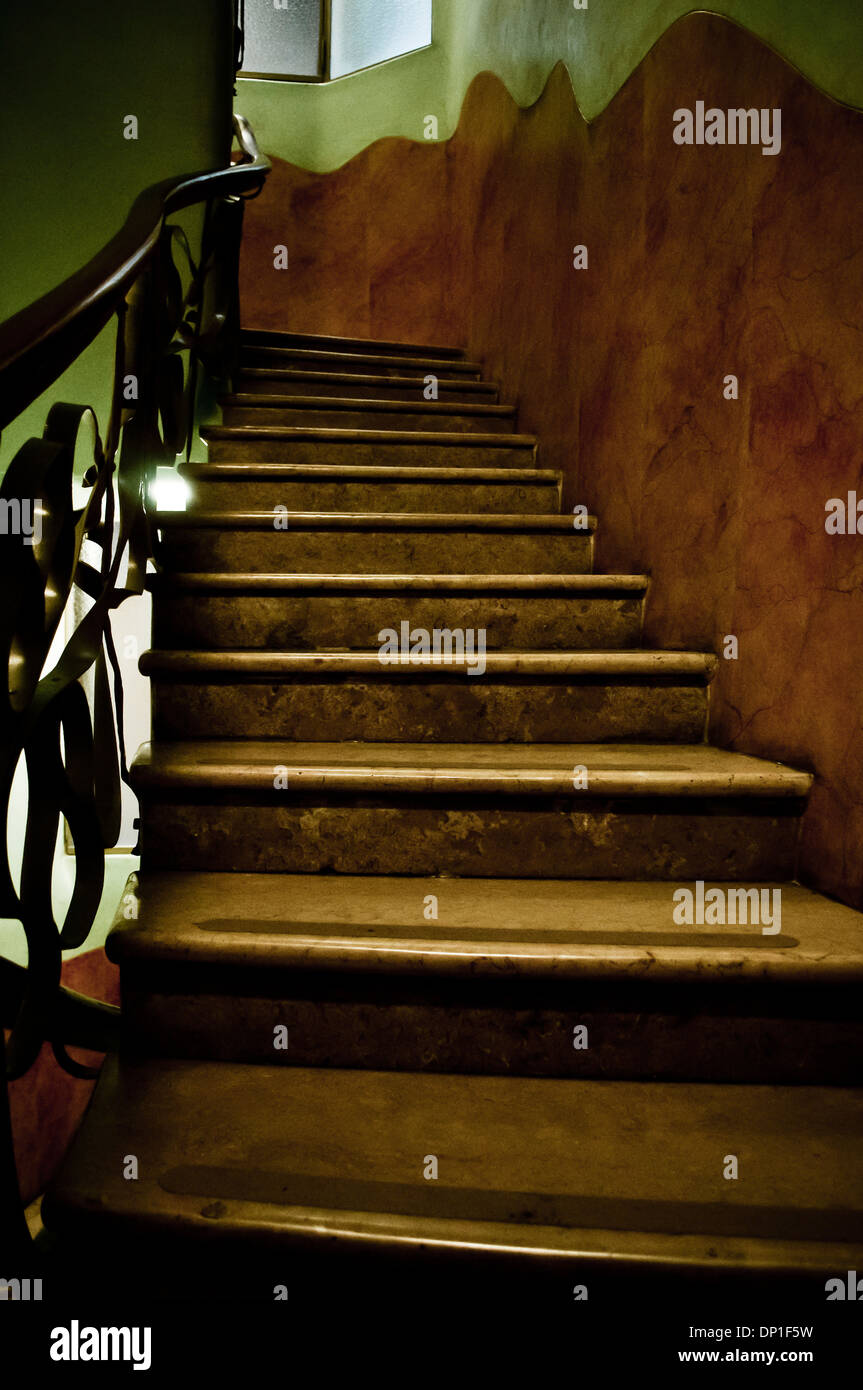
column 319, row 127
column 47, row 1103
column 703, row 261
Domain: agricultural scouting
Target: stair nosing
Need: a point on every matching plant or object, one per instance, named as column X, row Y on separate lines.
column 162, row 931
column 202, row 765
column 366, row 379
column 190, row 581
column 251, row 337
column 696, row 667
column 274, row 469
column 361, row 405
column 534, row 523
column 436, row 366
column 452, row 957
column 325, row 435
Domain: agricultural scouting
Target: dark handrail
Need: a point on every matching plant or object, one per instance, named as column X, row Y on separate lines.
column 40, row 342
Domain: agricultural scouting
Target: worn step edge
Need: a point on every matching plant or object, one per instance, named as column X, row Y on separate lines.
column 362, row 926
column 319, row 434
column 691, row 667
column 437, row 366
column 349, row 472
column 362, row 405
column 578, row 585
column 334, row 342
column 535, row 770
column 418, row 383
column 313, row 1230
column 469, row 522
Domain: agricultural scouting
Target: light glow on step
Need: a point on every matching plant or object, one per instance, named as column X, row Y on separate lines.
column 168, row 491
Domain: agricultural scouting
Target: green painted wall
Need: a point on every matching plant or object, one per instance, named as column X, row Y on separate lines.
column 69, row 73
column 319, row 127
column 68, row 76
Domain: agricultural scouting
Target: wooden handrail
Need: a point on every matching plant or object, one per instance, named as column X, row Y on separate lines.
column 41, row 341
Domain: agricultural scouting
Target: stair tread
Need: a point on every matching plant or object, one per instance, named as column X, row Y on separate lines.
column 617, row 769
column 691, row 665
column 533, row 1165
column 361, row 403
column 503, row 929
column 531, row 522
column 611, row 1172
column 326, row 434
column 253, row 336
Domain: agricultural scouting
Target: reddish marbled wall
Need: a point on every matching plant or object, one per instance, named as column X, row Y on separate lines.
column 703, row 261
column 47, row 1104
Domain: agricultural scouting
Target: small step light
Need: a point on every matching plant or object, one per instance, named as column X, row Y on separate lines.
column 168, row 491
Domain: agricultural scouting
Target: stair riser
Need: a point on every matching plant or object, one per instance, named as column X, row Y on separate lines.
column 307, row 361
column 307, row 495
column 226, row 1015
column 377, row 455
column 298, row 551
column 474, row 837
column 455, row 711
column 289, row 622
column 307, row 416
column 376, row 388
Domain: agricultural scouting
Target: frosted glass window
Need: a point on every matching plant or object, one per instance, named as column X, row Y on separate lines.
column 364, row 32
column 283, row 41
column 312, row 40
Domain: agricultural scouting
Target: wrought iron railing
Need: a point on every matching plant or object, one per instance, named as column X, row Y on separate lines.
column 68, row 527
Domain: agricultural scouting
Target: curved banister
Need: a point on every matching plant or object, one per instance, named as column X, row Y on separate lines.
column 71, row 744
column 73, row 749
column 39, row 342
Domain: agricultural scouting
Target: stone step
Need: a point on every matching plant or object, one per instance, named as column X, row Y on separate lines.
column 323, row 342
column 497, row 981
column 304, row 612
column 647, row 811
column 347, row 488
column 294, row 1175
column 522, row 697
column 380, row 447
column 373, row 363
column 286, row 381
column 314, row 542
column 334, row 412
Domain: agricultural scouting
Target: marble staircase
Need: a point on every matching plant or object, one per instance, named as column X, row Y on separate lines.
column 405, row 993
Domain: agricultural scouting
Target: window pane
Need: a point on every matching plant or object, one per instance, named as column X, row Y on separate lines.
column 284, row 41
column 369, row 31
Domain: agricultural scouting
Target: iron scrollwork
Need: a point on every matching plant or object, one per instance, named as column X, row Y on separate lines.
column 76, row 529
